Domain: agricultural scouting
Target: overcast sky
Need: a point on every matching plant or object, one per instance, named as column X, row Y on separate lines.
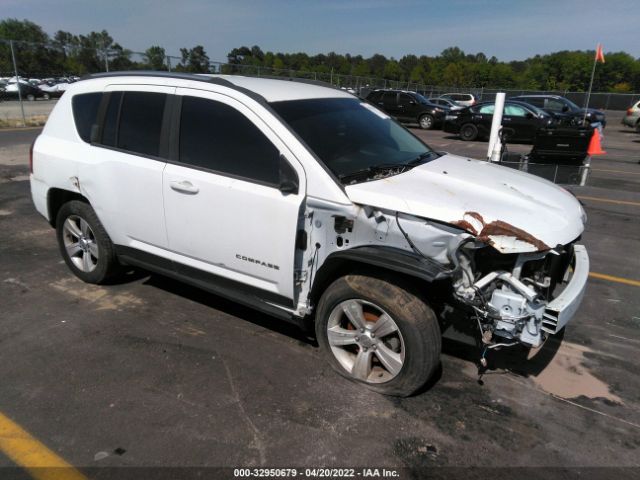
column 510, row 30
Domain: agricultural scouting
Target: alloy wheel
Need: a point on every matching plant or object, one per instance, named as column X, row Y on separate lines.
column 80, row 243
column 366, row 341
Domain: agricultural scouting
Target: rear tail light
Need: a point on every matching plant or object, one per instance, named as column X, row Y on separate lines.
column 31, row 156
column 629, row 112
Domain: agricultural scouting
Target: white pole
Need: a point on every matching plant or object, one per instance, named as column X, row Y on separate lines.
column 493, row 153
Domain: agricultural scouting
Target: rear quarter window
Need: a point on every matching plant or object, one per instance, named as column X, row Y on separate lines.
column 85, row 112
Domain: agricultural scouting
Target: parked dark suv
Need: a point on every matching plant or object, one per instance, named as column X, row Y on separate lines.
column 563, row 109
column 409, row 107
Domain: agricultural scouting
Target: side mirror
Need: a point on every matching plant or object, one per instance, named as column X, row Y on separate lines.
column 412, row 102
column 288, row 178
column 565, row 109
column 529, row 115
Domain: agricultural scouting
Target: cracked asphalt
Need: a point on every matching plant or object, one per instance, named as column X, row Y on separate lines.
column 151, row 372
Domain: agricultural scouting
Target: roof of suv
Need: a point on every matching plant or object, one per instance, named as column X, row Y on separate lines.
column 270, row 89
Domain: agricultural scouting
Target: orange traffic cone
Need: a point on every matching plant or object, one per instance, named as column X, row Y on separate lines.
column 595, row 148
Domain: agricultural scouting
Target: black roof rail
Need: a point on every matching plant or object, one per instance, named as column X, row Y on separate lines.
column 180, row 76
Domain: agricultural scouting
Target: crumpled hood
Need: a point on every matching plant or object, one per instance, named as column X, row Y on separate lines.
column 511, row 210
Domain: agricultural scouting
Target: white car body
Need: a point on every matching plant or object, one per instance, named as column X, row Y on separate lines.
column 240, row 231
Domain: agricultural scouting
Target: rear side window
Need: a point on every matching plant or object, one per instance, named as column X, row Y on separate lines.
column 217, row 137
column 535, row 101
column 110, row 126
column 85, row 111
column 141, row 122
column 390, row 97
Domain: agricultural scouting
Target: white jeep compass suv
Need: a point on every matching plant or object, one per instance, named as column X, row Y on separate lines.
column 309, row 204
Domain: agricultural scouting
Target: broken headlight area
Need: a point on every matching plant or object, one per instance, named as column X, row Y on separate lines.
column 510, row 293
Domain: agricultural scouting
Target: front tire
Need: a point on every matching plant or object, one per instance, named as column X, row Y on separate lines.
column 379, row 334
column 427, row 122
column 84, row 243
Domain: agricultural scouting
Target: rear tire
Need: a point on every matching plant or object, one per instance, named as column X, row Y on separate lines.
column 468, row 132
column 638, row 126
column 406, row 351
column 84, row 243
column 427, row 122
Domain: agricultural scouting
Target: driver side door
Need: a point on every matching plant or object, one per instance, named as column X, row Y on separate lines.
column 227, row 217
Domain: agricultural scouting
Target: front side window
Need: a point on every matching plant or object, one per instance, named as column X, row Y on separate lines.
column 405, row 99
column 514, row 110
column 349, row 136
column 216, row 136
column 85, row 112
column 555, row 105
column 141, row 122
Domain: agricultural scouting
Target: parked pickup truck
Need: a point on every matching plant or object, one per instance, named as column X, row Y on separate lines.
column 310, row 205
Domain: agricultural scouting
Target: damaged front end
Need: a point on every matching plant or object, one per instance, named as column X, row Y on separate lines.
column 509, row 286
column 520, row 298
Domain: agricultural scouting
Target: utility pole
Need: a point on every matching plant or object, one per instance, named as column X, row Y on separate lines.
column 15, row 69
column 106, row 57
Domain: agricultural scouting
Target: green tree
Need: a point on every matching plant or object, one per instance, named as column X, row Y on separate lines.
column 194, row 60
column 155, row 57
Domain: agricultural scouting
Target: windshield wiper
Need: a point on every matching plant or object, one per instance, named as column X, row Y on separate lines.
column 386, row 168
column 420, row 158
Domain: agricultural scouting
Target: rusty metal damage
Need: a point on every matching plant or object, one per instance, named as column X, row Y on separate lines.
column 484, row 231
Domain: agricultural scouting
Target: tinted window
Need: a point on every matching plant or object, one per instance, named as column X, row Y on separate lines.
column 350, row 136
column 85, row 110
column 110, row 126
column 141, row 122
column 390, row 97
column 373, row 96
column 216, row 136
column 536, row 101
column 555, row 105
column 405, row 99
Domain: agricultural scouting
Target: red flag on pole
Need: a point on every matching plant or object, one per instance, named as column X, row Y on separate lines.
column 599, row 54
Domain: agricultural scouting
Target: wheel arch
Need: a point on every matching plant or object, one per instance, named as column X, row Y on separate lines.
column 56, row 198
column 406, row 269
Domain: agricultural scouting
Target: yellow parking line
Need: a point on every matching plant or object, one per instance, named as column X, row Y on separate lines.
column 608, row 200
column 615, row 171
column 29, row 453
column 611, row 278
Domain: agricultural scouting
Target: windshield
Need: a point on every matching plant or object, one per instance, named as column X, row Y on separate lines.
column 422, row 99
column 350, row 136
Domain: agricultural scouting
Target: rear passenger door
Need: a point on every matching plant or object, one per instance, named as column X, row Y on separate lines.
column 123, row 175
column 226, row 218
column 407, row 108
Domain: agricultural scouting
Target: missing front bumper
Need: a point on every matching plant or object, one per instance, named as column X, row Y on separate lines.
column 564, row 307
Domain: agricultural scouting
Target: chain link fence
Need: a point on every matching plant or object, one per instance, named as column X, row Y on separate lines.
column 33, row 76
